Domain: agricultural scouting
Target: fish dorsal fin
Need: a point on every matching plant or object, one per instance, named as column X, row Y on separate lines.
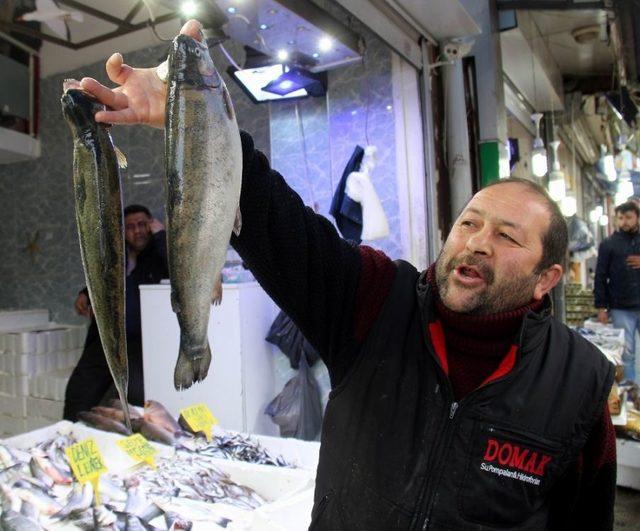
column 122, row 160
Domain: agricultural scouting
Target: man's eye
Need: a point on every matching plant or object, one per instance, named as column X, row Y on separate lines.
column 507, row 237
column 466, row 223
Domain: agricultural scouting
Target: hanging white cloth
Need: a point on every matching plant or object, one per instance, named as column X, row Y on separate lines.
column 360, row 188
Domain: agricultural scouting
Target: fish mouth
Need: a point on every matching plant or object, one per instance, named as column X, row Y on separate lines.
column 191, row 61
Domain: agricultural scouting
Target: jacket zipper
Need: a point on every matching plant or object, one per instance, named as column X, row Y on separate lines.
column 428, row 493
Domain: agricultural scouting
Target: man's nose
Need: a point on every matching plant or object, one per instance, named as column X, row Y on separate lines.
column 480, row 243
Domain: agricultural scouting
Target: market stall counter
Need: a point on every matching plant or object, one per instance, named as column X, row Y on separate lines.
column 232, row 481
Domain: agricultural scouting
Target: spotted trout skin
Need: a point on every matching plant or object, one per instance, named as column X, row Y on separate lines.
column 98, row 202
column 203, row 159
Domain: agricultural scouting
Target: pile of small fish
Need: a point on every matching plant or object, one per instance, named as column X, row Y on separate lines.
column 37, row 491
column 157, row 424
column 240, row 448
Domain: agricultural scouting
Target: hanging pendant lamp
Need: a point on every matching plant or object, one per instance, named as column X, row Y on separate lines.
column 539, row 164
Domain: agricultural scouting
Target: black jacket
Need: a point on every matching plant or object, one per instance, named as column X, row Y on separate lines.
column 617, row 286
column 391, row 456
column 398, row 452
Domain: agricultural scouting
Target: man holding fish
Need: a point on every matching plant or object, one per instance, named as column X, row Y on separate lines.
column 458, row 402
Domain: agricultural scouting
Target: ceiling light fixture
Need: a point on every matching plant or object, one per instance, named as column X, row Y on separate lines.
column 604, row 220
column 263, row 26
column 607, row 164
column 189, row 8
column 569, row 206
column 325, row 44
column 557, row 187
column 539, row 163
column 283, row 55
column 264, row 78
column 231, row 10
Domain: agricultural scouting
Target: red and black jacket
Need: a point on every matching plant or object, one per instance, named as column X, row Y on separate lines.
column 398, row 452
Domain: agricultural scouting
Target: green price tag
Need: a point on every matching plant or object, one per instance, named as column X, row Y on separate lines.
column 139, row 449
column 87, row 464
column 199, row 418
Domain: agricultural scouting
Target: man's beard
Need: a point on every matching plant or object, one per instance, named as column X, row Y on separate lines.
column 505, row 295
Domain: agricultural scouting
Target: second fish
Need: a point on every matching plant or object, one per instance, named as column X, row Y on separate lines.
column 203, row 158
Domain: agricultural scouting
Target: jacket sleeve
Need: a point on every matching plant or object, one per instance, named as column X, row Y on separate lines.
column 299, row 259
column 595, row 505
column 602, row 273
column 160, row 250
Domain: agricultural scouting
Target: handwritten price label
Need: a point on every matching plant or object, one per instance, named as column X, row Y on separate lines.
column 87, row 463
column 199, row 418
column 139, row 449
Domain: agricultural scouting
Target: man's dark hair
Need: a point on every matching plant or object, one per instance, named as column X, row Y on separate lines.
column 136, row 209
column 556, row 240
column 629, row 206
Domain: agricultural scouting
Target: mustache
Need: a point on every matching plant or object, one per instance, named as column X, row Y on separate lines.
column 471, row 260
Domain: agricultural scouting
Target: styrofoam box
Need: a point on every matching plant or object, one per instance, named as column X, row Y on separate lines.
column 51, row 410
column 12, row 425
column 10, row 320
column 50, row 385
column 15, row 406
column 628, row 453
column 14, row 385
column 274, row 484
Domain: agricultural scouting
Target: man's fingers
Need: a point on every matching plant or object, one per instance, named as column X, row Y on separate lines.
column 117, row 71
column 114, row 99
column 125, row 116
column 193, row 28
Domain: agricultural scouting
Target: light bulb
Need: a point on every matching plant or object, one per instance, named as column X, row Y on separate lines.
column 609, row 167
column 539, row 165
column 557, row 187
column 625, row 187
column 620, row 198
column 325, row 44
column 283, row 55
column 600, row 210
column 604, row 220
column 568, row 206
column 189, row 8
column 594, row 216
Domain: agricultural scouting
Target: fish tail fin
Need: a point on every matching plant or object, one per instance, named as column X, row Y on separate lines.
column 125, row 410
column 192, row 366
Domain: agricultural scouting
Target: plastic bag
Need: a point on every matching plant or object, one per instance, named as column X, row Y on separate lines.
column 580, row 236
column 285, row 335
column 297, row 410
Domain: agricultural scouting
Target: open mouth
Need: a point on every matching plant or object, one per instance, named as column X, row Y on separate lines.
column 468, row 275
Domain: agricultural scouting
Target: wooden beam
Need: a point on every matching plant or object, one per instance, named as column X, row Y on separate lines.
column 125, row 31
column 134, row 11
column 19, row 28
column 94, row 12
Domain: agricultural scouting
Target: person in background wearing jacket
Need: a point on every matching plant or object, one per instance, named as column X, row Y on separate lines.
column 617, row 281
column 146, row 247
column 458, row 401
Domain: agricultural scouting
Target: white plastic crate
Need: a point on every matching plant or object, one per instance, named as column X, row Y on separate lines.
column 628, row 454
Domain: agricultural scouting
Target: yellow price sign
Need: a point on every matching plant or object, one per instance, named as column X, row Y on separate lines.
column 87, row 464
column 199, row 418
column 138, row 448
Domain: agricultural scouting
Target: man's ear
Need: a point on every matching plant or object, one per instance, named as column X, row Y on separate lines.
column 547, row 281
